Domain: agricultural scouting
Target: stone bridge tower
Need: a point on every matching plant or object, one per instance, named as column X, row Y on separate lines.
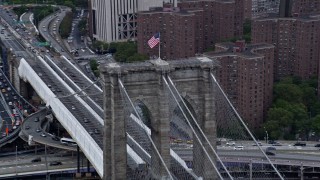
column 144, row 82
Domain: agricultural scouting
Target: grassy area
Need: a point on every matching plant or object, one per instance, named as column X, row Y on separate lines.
column 66, row 25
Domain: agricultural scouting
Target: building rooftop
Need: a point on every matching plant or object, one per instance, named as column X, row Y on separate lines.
column 243, row 50
column 301, row 18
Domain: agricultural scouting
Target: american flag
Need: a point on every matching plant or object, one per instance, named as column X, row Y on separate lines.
column 154, row 40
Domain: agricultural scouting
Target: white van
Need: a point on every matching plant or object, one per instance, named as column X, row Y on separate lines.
column 238, row 148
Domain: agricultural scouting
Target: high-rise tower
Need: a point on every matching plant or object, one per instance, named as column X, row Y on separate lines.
column 115, row 20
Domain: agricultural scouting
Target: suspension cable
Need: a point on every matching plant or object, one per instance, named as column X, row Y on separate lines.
column 207, row 154
column 244, row 125
column 80, row 91
column 152, row 143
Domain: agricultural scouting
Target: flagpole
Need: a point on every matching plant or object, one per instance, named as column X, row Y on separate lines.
column 159, row 44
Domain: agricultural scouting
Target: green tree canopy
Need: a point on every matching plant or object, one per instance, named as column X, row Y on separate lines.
column 122, row 51
column 295, row 104
column 288, row 92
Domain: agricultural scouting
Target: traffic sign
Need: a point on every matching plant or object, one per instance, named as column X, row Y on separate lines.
column 42, row 44
column 21, row 22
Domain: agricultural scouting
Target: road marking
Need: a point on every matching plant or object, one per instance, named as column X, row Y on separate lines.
column 42, row 164
column 27, row 166
column 10, row 167
column 35, row 165
column 18, row 166
column 4, row 168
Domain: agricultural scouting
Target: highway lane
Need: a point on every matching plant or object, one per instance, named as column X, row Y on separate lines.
column 73, row 105
column 286, row 155
column 26, row 21
column 10, row 100
column 70, row 70
column 33, row 126
column 20, row 164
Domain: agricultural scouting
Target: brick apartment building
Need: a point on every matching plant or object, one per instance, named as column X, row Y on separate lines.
column 305, row 7
column 297, row 44
column 190, row 28
column 222, row 18
column 178, row 35
column 246, row 75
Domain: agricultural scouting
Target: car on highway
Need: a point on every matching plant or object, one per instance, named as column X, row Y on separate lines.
column 231, row 143
column 276, row 144
column 238, row 148
column 271, row 151
column 300, row 144
column 36, row 119
column 55, row 163
column 55, row 138
column 85, row 120
column 257, row 144
column 36, row 160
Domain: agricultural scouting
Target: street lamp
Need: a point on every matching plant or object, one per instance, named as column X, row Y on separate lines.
column 267, row 137
column 16, row 159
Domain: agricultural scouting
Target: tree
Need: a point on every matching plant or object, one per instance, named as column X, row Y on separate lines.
column 20, row 10
column 94, row 65
column 82, row 26
column 294, row 108
column 66, row 25
column 70, row 4
column 315, row 124
column 247, row 30
column 273, row 128
column 288, row 92
column 247, row 26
